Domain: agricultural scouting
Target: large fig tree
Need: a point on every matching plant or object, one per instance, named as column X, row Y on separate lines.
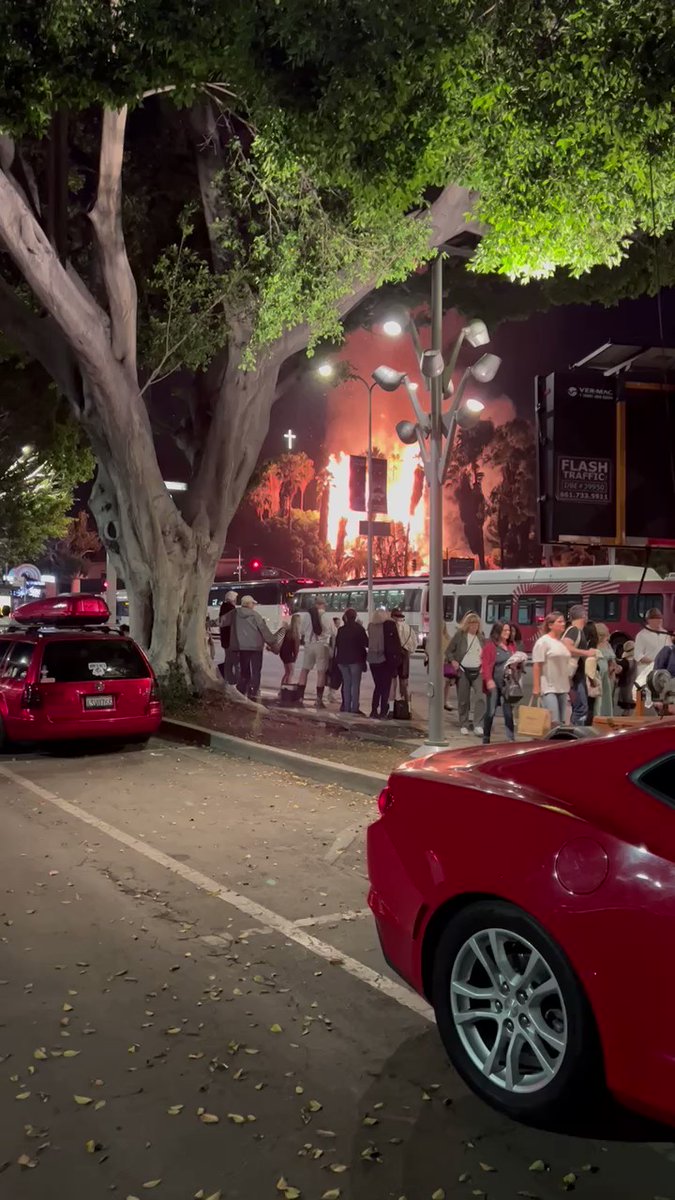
column 201, row 190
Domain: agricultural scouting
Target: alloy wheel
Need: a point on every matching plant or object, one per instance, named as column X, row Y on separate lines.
column 508, row 1010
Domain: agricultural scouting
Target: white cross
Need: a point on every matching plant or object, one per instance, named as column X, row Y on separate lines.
column 289, row 438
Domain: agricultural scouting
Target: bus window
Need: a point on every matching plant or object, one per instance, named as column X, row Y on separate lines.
column 448, row 608
column 639, row 606
column 604, row 608
column 466, row 604
column 304, row 601
column 396, row 598
column 413, row 600
column 563, row 604
column 531, row 609
column 497, row 608
column 358, row 600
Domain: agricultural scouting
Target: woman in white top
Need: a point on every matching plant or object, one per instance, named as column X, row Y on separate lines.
column 551, row 664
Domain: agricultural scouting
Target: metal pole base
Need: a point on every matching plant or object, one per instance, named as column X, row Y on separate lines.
column 428, row 748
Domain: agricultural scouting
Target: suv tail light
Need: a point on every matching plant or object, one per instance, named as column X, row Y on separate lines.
column 32, row 697
column 155, row 697
column 384, row 800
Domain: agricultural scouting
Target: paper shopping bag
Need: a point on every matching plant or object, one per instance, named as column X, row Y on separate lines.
column 533, row 720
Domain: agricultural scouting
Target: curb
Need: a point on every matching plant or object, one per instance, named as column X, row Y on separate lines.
column 323, row 770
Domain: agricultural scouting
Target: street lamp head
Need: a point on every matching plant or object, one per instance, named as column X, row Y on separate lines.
column 326, row 370
column 476, row 333
column 486, row 368
column 406, row 432
column 432, row 364
column 469, row 414
column 396, row 321
column 388, row 379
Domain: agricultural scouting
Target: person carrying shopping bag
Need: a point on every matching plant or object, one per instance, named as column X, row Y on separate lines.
column 464, row 655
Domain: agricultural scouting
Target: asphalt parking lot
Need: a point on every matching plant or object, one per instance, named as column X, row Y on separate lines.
column 193, row 1004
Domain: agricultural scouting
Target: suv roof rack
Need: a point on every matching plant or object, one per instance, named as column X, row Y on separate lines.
column 42, row 630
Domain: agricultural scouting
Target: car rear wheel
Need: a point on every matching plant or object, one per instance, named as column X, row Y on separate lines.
column 512, row 1014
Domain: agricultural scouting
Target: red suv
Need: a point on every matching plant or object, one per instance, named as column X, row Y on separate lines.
column 64, row 675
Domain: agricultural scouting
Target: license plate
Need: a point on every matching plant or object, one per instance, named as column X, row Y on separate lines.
column 99, row 701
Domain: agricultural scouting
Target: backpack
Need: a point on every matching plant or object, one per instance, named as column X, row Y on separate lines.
column 512, row 692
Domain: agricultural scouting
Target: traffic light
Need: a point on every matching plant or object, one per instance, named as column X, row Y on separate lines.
column 255, row 564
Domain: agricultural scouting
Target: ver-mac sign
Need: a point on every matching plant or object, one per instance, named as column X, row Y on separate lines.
column 584, row 480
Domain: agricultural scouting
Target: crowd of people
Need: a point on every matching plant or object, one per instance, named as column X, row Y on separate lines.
column 338, row 651
column 577, row 674
column 575, row 664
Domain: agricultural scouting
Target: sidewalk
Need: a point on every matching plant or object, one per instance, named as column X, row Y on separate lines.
column 328, row 735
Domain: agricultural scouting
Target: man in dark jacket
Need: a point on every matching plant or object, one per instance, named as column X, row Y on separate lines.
column 251, row 633
column 229, row 669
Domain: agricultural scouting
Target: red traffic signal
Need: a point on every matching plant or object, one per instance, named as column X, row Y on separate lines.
column 255, row 564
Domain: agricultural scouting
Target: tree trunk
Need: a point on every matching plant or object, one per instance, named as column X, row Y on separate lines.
column 167, row 571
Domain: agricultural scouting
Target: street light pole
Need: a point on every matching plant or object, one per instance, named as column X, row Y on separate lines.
column 436, row 734
column 327, row 371
column 434, row 434
column 369, row 513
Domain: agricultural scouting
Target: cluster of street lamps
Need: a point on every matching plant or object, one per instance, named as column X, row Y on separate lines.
column 434, row 432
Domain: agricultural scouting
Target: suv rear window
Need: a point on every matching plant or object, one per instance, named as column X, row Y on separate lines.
column 81, row 662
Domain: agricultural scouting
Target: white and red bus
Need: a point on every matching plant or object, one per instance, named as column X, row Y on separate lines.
column 617, row 596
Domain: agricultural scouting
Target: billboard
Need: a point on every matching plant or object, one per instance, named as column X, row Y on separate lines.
column 649, row 436
column 577, row 464
column 605, row 459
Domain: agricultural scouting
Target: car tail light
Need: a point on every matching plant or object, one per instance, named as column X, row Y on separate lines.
column 384, row 800
column 155, row 697
column 32, row 697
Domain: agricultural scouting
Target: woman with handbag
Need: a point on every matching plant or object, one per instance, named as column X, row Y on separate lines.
column 551, row 662
column 496, row 654
column 463, row 656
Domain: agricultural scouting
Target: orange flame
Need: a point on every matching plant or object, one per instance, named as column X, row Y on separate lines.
column 403, row 509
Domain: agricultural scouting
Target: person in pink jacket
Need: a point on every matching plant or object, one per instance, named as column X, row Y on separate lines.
column 496, row 653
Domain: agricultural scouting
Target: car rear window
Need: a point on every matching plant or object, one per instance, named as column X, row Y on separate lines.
column 658, row 778
column 80, row 662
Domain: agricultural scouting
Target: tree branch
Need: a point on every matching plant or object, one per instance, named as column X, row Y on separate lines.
column 448, row 218
column 106, row 218
column 40, row 338
column 76, row 314
column 210, row 166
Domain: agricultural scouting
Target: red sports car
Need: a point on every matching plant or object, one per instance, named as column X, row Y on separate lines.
column 529, row 893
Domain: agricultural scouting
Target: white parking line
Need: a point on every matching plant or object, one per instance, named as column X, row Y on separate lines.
column 288, row 929
column 350, row 914
column 344, row 840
